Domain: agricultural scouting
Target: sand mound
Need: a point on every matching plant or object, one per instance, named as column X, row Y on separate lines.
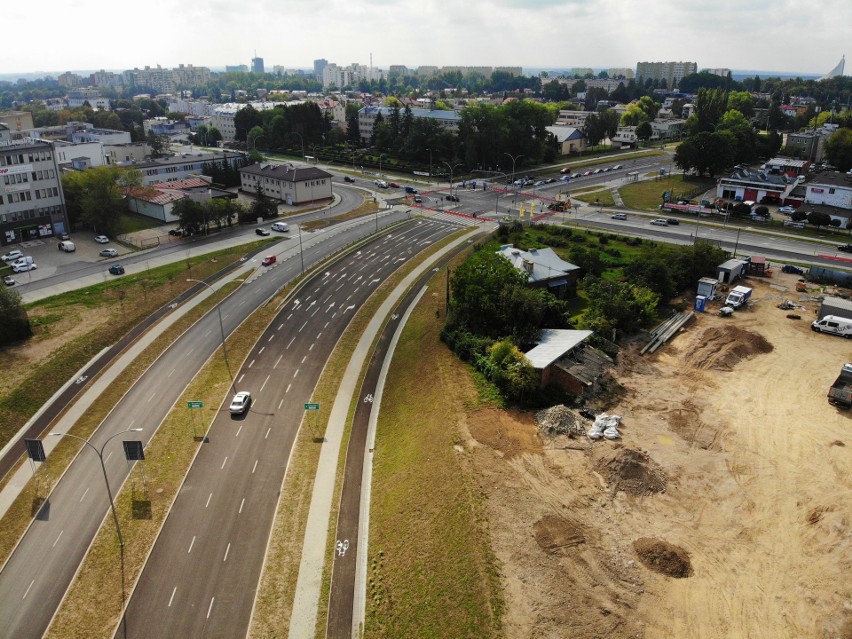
column 663, row 557
column 723, row 347
column 634, row 472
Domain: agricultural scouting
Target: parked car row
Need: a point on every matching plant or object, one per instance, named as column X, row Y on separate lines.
column 672, row 221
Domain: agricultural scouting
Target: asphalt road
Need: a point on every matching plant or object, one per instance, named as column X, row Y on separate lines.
column 202, row 575
column 37, row 574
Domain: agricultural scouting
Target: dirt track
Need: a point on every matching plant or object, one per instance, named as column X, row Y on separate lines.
column 753, row 512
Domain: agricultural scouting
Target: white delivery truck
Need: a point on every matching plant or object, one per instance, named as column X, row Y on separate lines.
column 738, row 296
column 280, row 226
column 835, row 325
column 67, row 246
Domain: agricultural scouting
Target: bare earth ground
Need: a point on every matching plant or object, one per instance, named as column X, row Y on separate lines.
column 723, row 512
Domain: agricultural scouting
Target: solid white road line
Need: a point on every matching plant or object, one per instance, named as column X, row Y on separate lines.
column 211, row 607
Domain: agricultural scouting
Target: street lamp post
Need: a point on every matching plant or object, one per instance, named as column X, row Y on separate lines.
column 513, row 158
column 301, row 252
column 452, row 168
column 430, row 164
column 100, row 454
column 302, row 141
column 222, row 330
column 381, row 155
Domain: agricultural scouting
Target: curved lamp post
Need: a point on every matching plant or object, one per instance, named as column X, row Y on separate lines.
column 452, row 168
column 513, row 158
column 222, row 330
column 100, row 454
column 302, row 140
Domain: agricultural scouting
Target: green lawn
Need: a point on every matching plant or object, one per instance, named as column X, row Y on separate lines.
column 597, row 198
column 131, row 222
column 648, row 195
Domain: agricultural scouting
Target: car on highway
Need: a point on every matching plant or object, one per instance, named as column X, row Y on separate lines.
column 8, row 280
column 280, row 226
column 846, row 248
column 393, row 185
column 22, row 265
column 108, row 253
column 587, row 173
column 453, row 198
column 346, row 178
column 619, row 216
column 240, row 403
column 787, row 210
column 269, row 260
column 381, row 184
column 617, row 167
column 596, row 171
column 607, row 169
column 565, row 171
column 659, row 222
column 550, row 180
column 540, row 183
column 673, row 221
column 263, row 232
column 13, row 255
column 418, row 199
column 565, row 178
column 101, row 239
column 116, row 269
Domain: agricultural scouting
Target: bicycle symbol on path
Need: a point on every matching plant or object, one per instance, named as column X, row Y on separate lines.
column 368, row 399
column 342, row 547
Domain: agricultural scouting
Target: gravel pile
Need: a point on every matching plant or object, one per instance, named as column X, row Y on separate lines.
column 560, row 420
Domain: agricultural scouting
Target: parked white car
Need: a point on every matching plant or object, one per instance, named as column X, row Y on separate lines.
column 23, row 265
column 101, row 239
column 12, row 255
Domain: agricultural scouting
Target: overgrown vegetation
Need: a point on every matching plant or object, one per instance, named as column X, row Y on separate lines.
column 494, row 315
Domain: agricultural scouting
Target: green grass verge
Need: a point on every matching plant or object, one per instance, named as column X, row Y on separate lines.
column 601, row 197
column 431, row 571
column 648, row 195
column 131, row 222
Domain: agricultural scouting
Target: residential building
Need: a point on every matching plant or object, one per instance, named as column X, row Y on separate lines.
column 79, row 155
column 223, row 115
column 671, row 72
column 577, row 119
column 17, row 120
column 165, row 126
column 106, row 79
column 191, row 76
column 368, row 114
column 625, row 73
column 285, row 182
column 809, row 144
column 544, row 269
column 88, row 133
column 257, row 65
column 69, row 80
column 157, row 200
column 563, row 359
column 831, row 188
column 126, row 152
column 625, row 137
column 236, row 68
column 721, row 72
column 32, row 204
column 79, row 97
column 183, row 166
column 570, row 139
column 667, row 129
column 319, row 67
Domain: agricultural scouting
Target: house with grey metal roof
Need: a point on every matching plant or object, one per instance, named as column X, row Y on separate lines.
column 544, row 269
column 562, row 358
column 570, row 139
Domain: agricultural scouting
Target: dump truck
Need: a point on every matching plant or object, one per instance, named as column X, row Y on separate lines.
column 840, row 393
column 738, row 296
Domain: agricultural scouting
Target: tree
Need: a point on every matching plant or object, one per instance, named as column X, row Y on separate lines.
column 190, row 215
column 622, row 306
column 838, row 149
column 353, row 133
column 14, row 323
column 710, row 105
column 159, row 145
column 94, row 197
column 509, row 369
column 819, row 218
column 705, row 153
column 644, row 131
column 741, row 101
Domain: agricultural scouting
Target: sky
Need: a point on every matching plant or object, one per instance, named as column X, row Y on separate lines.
column 774, row 35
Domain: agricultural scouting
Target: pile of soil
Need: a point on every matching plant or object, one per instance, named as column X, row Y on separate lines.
column 663, row 557
column 633, row 472
column 560, row 420
column 723, row 347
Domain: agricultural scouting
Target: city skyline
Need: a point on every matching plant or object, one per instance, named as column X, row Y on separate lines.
column 572, row 33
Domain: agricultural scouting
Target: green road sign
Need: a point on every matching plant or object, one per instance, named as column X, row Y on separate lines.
column 195, row 404
column 311, row 406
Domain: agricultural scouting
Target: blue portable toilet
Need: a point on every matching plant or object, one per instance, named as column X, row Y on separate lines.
column 700, row 303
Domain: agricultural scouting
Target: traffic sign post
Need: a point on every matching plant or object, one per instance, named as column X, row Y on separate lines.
column 192, row 419
column 314, row 407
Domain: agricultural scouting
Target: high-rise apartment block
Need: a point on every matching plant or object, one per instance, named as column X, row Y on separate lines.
column 671, row 72
column 257, row 65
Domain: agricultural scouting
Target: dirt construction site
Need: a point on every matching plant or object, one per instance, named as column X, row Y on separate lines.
column 724, row 509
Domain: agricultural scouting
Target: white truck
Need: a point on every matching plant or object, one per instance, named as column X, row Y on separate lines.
column 67, row 246
column 738, row 296
column 835, row 325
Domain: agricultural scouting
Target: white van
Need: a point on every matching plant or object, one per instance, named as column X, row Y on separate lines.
column 280, row 226
column 67, row 246
column 834, row 324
